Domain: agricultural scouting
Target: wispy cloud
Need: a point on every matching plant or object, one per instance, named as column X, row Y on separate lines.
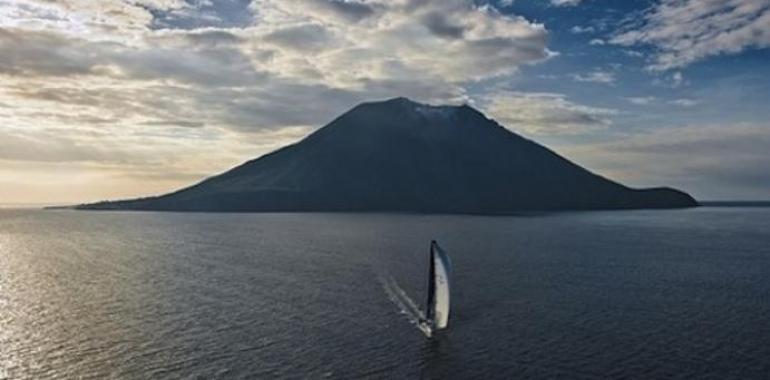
column 597, row 76
column 546, row 113
column 715, row 161
column 577, row 29
column 686, row 31
column 565, row 3
column 684, row 102
column 641, row 100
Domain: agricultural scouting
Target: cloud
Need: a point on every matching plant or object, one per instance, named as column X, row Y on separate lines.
column 684, row 102
column 350, row 10
column 641, row 100
column 712, row 161
column 441, row 26
column 577, row 29
column 341, row 10
column 108, row 19
column 672, row 80
column 250, row 78
column 546, row 113
column 213, row 37
column 33, row 53
column 687, row 31
column 452, row 40
column 597, row 76
column 597, row 42
column 175, row 123
column 565, row 3
column 677, row 79
column 301, row 37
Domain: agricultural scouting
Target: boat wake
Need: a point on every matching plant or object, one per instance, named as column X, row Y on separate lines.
column 398, row 296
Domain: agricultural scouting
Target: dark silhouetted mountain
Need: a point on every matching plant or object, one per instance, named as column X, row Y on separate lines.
column 399, row 155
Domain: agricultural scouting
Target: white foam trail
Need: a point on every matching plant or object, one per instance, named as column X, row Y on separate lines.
column 409, row 302
column 399, row 297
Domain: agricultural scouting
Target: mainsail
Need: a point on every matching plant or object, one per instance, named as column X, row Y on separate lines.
column 440, row 269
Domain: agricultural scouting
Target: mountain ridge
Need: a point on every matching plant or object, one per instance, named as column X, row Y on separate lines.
column 404, row 156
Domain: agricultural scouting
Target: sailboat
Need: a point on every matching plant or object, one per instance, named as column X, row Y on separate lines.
column 437, row 307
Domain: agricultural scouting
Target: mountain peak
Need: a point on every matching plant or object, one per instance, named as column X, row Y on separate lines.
column 401, row 101
column 409, row 106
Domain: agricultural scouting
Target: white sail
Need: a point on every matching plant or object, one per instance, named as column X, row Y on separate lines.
column 438, row 289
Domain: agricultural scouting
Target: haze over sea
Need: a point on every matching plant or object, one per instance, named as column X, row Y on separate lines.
column 586, row 295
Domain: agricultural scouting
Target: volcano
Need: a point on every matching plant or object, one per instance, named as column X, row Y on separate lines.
column 402, row 156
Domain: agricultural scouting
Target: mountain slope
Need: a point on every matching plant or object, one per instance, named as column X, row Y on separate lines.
column 399, row 155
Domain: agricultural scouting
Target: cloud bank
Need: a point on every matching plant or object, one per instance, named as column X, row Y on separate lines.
column 132, row 85
column 118, row 98
column 323, row 54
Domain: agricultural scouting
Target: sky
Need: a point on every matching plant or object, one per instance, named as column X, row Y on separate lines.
column 114, row 99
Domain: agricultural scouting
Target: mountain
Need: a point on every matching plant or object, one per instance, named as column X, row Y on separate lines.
column 399, row 155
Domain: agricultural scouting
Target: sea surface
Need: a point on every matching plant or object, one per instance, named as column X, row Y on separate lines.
column 679, row 294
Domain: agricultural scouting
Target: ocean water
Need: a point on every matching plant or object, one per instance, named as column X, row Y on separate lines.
column 680, row 294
